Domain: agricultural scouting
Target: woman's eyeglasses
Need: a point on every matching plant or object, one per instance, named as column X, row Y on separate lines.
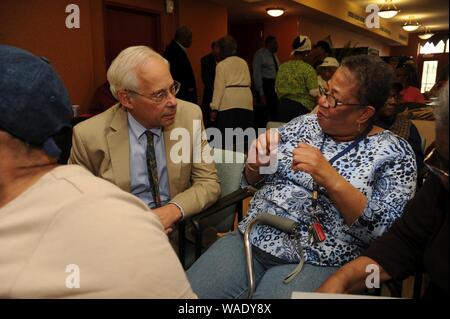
column 332, row 102
column 160, row 95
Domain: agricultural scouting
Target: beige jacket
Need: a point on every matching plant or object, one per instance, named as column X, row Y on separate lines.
column 72, row 235
column 101, row 144
column 232, row 85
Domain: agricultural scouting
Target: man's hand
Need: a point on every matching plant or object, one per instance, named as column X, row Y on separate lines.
column 309, row 159
column 168, row 215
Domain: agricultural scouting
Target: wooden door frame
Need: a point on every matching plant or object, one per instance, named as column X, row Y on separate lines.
column 132, row 9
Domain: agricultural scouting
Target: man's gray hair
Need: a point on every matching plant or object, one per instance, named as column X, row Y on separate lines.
column 441, row 111
column 122, row 74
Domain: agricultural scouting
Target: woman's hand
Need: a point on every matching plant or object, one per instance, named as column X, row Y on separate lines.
column 333, row 285
column 262, row 156
column 348, row 200
column 309, row 159
column 263, row 149
column 352, row 277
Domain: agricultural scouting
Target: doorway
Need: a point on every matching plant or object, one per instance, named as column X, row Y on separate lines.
column 127, row 26
column 249, row 38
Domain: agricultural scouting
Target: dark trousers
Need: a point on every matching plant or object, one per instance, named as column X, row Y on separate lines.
column 290, row 109
column 206, row 109
column 234, row 118
column 271, row 98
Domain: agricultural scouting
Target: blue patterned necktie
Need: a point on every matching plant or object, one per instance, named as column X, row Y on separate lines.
column 152, row 169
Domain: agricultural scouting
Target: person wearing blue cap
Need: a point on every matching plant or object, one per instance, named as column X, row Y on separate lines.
column 64, row 232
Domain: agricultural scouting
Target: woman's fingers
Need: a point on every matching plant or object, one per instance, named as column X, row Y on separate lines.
column 265, row 146
column 306, row 158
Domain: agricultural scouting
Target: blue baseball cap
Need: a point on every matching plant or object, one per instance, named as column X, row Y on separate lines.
column 34, row 104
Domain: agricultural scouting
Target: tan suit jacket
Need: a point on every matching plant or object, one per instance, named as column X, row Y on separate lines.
column 101, row 144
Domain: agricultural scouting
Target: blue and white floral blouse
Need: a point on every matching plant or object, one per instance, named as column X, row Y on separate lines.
column 381, row 166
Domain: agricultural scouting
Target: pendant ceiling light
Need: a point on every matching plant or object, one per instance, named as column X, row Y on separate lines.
column 388, row 10
column 411, row 25
column 275, row 12
column 426, row 34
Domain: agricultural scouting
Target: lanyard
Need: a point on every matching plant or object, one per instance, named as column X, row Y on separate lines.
column 348, row 148
column 315, row 193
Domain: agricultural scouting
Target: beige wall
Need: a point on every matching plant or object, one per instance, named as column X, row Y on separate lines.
column 39, row 26
column 208, row 22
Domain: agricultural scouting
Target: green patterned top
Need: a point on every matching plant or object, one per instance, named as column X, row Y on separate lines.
column 294, row 81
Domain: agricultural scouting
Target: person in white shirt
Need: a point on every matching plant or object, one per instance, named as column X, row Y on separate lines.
column 232, row 103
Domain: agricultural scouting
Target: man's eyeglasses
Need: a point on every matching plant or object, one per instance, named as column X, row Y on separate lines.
column 160, row 95
column 435, row 164
column 331, row 100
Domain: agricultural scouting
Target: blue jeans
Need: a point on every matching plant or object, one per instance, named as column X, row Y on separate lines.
column 220, row 273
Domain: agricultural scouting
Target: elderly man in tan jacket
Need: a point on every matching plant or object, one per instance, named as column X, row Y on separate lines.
column 136, row 143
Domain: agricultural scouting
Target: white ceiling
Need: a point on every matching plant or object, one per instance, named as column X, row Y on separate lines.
column 430, row 13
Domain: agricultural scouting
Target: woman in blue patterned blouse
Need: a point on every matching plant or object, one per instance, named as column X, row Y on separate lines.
column 363, row 175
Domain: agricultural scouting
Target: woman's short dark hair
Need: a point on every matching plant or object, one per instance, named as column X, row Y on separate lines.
column 374, row 77
column 228, row 46
column 412, row 75
column 324, row 46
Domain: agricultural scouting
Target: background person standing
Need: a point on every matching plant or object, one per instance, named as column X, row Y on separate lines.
column 265, row 68
column 208, row 64
column 180, row 66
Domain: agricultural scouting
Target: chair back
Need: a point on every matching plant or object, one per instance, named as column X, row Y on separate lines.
column 230, row 166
